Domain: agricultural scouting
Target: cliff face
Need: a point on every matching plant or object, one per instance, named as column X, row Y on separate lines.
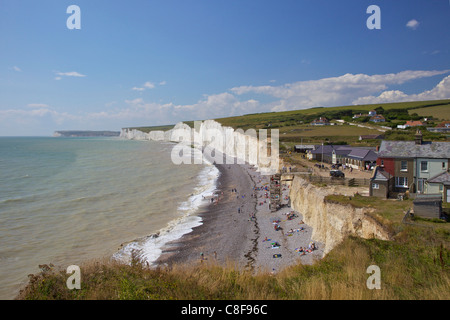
column 219, row 143
column 332, row 223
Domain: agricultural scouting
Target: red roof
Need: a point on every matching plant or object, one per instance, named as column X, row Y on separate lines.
column 414, row 123
column 443, row 124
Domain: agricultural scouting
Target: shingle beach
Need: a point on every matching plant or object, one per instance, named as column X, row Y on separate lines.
column 239, row 228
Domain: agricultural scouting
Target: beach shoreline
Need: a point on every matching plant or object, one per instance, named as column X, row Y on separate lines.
column 238, row 228
column 225, row 233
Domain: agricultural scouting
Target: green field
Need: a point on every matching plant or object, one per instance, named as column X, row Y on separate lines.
column 441, row 112
column 294, row 125
column 318, row 134
column 287, row 118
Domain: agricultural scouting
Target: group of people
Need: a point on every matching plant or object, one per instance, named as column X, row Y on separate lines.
column 265, row 188
column 291, row 215
column 311, row 248
column 291, row 232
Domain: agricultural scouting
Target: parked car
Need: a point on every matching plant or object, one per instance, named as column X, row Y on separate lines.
column 337, row 174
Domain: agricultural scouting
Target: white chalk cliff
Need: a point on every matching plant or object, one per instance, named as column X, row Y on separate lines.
column 332, row 222
column 212, row 139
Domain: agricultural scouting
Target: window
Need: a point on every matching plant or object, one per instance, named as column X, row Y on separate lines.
column 443, row 165
column 404, row 165
column 382, row 162
column 375, row 186
column 423, row 165
column 441, row 187
column 401, row 182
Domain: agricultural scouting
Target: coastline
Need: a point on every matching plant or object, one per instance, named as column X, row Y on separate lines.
column 239, row 228
column 225, row 234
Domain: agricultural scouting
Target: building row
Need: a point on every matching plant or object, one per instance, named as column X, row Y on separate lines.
column 362, row 158
column 416, row 167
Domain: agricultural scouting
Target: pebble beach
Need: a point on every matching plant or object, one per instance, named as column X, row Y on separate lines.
column 239, row 229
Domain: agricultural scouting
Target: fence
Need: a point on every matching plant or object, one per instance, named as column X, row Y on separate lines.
column 351, row 182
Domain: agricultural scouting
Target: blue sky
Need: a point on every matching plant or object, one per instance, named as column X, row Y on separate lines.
column 136, row 63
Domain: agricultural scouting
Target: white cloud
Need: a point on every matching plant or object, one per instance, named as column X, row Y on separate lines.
column 149, row 85
column 413, row 24
column 70, row 74
column 162, row 83
column 16, row 68
column 145, row 86
column 60, row 75
column 217, row 106
column 440, row 92
column 332, row 91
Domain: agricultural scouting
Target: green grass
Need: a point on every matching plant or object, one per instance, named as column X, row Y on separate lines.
column 441, row 112
column 387, row 211
column 318, row 134
column 290, row 118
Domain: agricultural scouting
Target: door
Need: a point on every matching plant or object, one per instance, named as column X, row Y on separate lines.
column 420, row 186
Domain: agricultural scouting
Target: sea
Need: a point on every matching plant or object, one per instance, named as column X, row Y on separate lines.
column 64, row 201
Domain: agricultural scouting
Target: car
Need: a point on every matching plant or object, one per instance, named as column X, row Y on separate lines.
column 337, row 174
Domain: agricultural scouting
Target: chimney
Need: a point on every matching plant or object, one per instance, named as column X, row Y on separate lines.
column 418, row 137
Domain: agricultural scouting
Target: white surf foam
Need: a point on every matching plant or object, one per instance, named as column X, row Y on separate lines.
column 150, row 248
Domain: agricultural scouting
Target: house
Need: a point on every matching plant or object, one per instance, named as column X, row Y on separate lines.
column 372, row 113
column 381, row 183
column 322, row 153
column 410, row 123
column 354, row 157
column 441, row 127
column 412, row 163
column 320, row 122
column 356, row 116
column 377, row 118
column 440, row 184
column 361, row 158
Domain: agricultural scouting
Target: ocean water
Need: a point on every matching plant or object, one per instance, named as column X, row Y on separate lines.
column 68, row 200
